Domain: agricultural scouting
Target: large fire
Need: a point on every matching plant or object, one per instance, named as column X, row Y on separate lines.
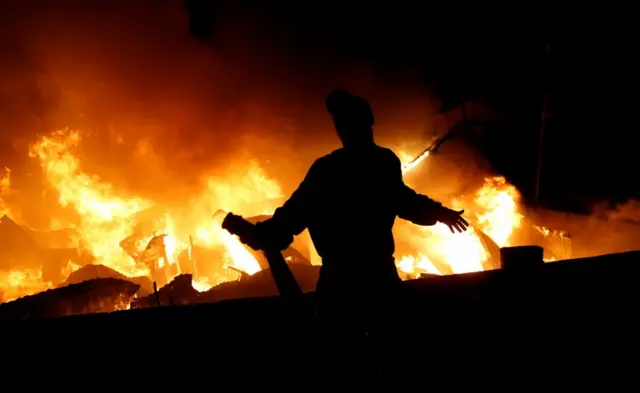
column 107, row 215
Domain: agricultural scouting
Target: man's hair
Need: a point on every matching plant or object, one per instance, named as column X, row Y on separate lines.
column 345, row 106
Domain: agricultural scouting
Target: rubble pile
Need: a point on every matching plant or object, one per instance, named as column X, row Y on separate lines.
column 91, row 272
column 92, row 296
column 176, row 272
column 177, row 253
column 261, row 284
column 180, row 291
column 98, row 288
column 93, row 288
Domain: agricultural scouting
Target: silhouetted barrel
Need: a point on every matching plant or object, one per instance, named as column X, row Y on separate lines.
column 521, row 257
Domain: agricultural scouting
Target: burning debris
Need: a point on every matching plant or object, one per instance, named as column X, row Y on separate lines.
column 192, row 259
column 177, row 292
column 262, row 284
column 93, row 296
column 92, row 272
column 556, row 244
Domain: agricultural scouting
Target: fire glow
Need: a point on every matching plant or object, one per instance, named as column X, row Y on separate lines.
column 107, row 215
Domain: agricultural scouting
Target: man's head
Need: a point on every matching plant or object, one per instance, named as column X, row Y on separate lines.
column 352, row 117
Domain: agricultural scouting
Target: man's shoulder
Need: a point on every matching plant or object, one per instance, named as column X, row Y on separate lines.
column 326, row 157
column 387, row 153
column 327, row 161
column 333, row 157
column 375, row 149
column 376, row 152
column 340, row 157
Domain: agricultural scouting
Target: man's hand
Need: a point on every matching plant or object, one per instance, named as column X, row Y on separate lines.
column 453, row 219
column 263, row 236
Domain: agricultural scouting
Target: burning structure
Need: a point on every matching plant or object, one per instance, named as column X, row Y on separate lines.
column 101, row 244
column 87, row 227
column 137, row 240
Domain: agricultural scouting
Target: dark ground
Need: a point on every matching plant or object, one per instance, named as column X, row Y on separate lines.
column 569, row 321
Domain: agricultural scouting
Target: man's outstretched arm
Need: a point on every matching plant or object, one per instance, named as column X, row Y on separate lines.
column 422, row 210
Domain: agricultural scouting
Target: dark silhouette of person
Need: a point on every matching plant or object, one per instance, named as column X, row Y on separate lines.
column 349, row 201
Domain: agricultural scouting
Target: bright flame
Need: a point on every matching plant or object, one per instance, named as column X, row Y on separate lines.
column 106, row 216
column 238, row 256
column 17, row 283
column 409, row 265
column 5, row 185
column 412, row 164
column 493, row 210
column 499, row 216
column 253, row 195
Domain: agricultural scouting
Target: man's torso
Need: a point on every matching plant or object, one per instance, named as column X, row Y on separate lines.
column 354, row 212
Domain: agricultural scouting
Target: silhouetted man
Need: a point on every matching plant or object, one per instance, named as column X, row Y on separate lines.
column 349, row 201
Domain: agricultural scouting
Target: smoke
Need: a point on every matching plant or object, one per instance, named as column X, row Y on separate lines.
column 607, row 229
column 628, row 211
column 158, row 109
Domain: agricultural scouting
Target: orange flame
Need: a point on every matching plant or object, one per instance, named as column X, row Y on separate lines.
column 107, row 215
column 5, row 185
column 494, row 211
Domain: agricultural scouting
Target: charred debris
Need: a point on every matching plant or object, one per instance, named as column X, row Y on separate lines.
column 94, row 288
column 98, row 288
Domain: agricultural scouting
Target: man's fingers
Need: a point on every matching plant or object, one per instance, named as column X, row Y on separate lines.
column 455, row 227
column 458, row 226
column 456, row 223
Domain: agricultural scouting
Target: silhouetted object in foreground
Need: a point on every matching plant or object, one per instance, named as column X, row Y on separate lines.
column 521, row 258
column 578, row 312
column 349, row 201
column 246, row 231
